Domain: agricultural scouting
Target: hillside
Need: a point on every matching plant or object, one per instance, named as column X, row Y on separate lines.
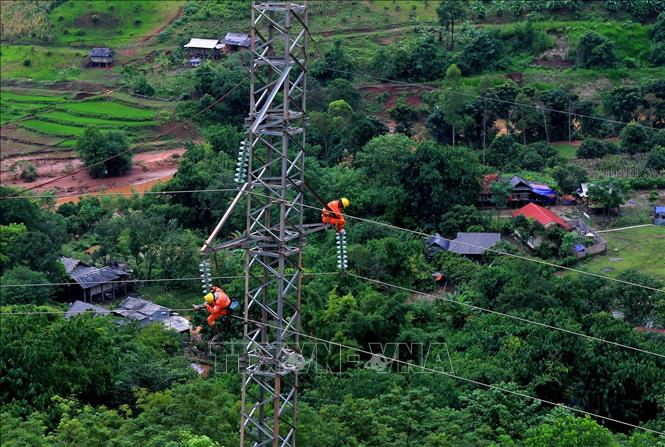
column 462, row 246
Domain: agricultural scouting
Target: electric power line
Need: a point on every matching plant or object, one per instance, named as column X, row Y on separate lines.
column 384, row 224
column 411, row 365
column 471, row 95
column 454, row 376
column 514, row 317
column 122, row 193
column 134, row 281
column 492, row 250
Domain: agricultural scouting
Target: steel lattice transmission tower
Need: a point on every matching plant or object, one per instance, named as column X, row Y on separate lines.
column 274, row 186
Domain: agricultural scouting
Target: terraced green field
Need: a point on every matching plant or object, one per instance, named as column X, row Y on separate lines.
column 52, row 128
column 112, row 109
column 69, row 119
column 13, row 97
column 56, row 121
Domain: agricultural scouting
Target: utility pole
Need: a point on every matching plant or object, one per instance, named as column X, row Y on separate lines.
column 274, row 188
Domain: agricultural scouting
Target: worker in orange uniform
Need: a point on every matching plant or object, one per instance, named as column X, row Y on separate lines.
column 332, row 213
column 217, row 304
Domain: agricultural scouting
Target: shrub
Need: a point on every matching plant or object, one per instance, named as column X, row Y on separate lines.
column 656, row 158
column 530, row 160
column 590, row 148
column 142, row 87
column 658, row 138
column 594, row 50
column 29, row 172
column 27, row 62
column 634, row 139
column 24, row 295
column 630, row 62
column 480, row 53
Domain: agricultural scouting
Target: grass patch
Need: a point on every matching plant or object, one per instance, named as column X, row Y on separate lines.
column 641, row 249
column 45, row 63
column 52, row 128
column 70, row 144
column 566, row 150
column 75, row 120
column 9, row 96
column 631, row 39
column 110, row 109
column 95, row 21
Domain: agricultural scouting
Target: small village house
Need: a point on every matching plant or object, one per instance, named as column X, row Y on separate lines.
column 101, row 57
column 469, row 245
column 137, row 309
column 547, row 218
column 146, row 312
column 522, row 191
column 544, row 216
column 473, row 245
column 659, row 215
column 92, row 284
column 79, row 307
column 204, row 48
column 237, row 42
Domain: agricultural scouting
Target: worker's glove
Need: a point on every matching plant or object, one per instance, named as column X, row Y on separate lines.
column 198, row 306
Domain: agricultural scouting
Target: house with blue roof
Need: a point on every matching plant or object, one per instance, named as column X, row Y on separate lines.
column 237, row 41
column 659, row 215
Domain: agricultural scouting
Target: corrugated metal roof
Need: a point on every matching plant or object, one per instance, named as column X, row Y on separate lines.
column 102, row 52
column 78, row 307
column 69, row 263
column 542, row 215
column 148, row 312
column 237, row 39
column 208, row 44
column 473, row 243
column 659, row 209
column 177, row 323
column 95, row 277
column 516, row 180
column 438, row 241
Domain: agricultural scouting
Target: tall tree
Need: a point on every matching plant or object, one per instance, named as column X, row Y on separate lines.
column 453, row 102
column 95, row 149
column 526, row 118
column 335, row 64
column 449, row 12
column 404, row 115
column 500, row 195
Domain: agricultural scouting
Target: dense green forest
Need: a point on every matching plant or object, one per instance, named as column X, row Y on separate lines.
column 411, row 160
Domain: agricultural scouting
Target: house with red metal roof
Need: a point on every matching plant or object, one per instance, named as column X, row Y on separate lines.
column 545, row 217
